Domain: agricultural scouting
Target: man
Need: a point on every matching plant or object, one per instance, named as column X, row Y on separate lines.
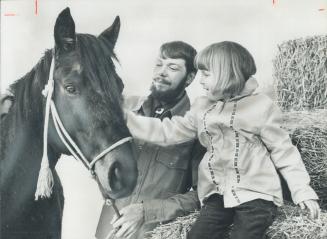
column 166, row 174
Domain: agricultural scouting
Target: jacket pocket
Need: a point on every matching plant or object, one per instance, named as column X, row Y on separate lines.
column 177, row 156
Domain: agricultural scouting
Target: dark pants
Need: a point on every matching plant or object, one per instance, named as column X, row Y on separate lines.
column 250, row 220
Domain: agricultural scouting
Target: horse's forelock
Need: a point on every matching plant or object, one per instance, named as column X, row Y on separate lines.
column 97, row 60
column 99, row 69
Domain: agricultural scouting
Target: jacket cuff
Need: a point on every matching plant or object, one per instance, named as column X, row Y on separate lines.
column 153, row 210
column 306, row 194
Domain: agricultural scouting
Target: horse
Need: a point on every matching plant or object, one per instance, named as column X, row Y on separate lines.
column 69, row 103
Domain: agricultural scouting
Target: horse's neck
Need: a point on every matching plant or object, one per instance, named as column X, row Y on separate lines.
column 18, row 180
column 22, row 159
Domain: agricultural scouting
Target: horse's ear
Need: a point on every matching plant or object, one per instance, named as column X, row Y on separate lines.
column 110, row 35
column 64, row 32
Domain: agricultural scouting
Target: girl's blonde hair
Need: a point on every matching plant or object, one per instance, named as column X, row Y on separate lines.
column 231, row 65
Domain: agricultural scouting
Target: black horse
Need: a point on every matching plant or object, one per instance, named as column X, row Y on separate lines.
column 87, row 96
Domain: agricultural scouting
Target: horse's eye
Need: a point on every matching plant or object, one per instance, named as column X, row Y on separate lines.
column 70, row 89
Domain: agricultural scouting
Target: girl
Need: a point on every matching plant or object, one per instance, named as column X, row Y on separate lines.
column 238, row 181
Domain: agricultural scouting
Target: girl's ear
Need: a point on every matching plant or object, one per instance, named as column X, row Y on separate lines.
column 189, row 79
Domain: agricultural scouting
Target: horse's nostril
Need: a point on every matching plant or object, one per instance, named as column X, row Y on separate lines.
column 118, row 174
column 115, row 177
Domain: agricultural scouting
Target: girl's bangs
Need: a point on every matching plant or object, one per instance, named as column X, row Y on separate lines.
column 203, row 59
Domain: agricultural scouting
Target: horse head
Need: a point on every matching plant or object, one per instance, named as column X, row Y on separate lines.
column 86, row 98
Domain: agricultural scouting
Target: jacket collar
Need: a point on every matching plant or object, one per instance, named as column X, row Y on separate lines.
column 250, row 86
column 180, row 108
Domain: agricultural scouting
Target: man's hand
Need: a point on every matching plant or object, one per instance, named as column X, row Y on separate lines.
column 130, row 222
column 313, row 207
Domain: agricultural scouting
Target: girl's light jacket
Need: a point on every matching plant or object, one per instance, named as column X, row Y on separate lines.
column 245, row 145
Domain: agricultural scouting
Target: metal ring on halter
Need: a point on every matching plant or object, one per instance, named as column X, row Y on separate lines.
column 108, row 202
column 92, row 173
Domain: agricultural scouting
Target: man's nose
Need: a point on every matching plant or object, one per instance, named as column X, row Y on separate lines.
column 163, row 71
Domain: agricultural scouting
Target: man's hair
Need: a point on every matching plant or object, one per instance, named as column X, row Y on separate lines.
column 231, row 64
column 180, row 50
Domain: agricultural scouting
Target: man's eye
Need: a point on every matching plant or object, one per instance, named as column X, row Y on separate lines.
column 70, row 89
column 173, row 68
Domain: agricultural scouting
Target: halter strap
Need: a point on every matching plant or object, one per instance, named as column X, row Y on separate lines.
column 63, row 134
column 112, row 147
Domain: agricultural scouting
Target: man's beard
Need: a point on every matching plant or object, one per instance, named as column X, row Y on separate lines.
column 170, row 95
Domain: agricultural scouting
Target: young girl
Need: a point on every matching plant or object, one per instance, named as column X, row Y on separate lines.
column 238, row 181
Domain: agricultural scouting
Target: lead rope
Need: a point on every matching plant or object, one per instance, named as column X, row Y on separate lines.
column 111, row 202
column 45, row 179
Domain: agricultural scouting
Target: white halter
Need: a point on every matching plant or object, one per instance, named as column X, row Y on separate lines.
column 45, row 180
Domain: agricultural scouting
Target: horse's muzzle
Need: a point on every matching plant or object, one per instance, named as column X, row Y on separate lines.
column 117, row 172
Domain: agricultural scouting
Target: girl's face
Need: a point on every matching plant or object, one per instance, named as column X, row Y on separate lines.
column 208, row 82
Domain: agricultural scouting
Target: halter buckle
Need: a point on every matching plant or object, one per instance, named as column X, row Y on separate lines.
column 108, row 202
column 92, row 173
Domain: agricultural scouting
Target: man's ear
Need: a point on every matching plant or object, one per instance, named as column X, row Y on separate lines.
column 190, row 78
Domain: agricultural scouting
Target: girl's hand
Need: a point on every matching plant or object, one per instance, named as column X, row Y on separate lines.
column 313, row 207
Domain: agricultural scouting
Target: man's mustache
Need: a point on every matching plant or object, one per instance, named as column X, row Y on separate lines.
column 162, row 80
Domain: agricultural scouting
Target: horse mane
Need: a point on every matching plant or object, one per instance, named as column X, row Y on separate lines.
column 97, row 61
column 27, row 101
column 26, row 92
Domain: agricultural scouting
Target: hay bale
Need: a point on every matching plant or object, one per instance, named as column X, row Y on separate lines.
column 176, row 229
column 308, row 131
column 300, row 73
column 291, row 223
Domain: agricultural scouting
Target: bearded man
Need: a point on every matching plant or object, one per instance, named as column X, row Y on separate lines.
column 166, row 186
